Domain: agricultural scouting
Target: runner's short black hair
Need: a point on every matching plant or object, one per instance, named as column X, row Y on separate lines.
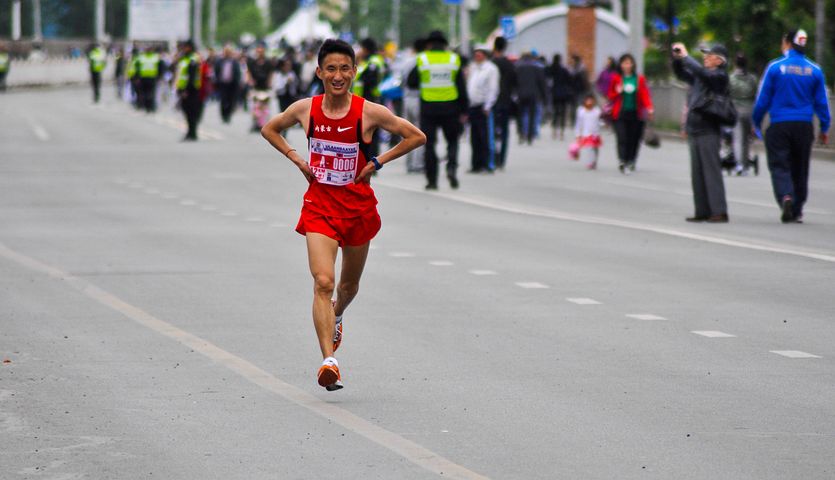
column 333, row 45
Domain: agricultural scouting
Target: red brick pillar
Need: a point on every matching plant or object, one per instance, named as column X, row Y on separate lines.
column 582, row 35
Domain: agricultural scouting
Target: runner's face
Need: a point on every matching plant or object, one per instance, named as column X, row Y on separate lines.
column 337, row 72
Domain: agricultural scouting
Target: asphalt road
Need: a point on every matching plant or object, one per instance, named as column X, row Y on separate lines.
column 546, row 322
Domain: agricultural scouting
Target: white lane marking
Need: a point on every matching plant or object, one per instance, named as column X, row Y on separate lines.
column 583, row 301
column 38, row 130
column 713, row 334
column 611, row 222
column 644, row 316
column 406, row 448
column 208, row 208
column 688, row 193
column 483, row 272
column 188, row 202
column 373, row 247
column 151, row 191
column 228, row 213
column 136, row 185
column 401, row 254
column 170, row 196
column 441, row 263
column 531, row 285
column 254, row 219
column 794, row 354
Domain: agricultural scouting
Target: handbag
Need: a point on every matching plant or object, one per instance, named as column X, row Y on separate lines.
column 651, row 138
column 717, row 106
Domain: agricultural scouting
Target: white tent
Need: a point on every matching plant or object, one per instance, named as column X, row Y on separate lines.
column 304, row 24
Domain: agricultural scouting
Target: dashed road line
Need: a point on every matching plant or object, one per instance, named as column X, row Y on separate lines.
column 644, row 316
column 170, row 196
column 508, row 207
column 483, row 272
column 441, row 263
column 794, row 354
column 532, row 285
column 208, row 208
column 401, row 254
column 405, row 448
column 188, row 203
column 228, row 213
column 713, row 334
column 583, row 301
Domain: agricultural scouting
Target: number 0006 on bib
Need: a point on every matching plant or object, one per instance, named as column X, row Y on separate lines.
column 333, row 163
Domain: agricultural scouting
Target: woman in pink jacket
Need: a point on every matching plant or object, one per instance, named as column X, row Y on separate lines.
column 631, row 106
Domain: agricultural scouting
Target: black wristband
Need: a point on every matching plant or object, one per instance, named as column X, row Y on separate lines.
column 377, row 164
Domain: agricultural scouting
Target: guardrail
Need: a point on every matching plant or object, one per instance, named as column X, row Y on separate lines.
column 52, row 71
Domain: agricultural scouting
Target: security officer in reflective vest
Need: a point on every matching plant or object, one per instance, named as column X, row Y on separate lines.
column 5, row 63
column 150, row 67
column 98, row 60
column 371, row 68
column 188, row 88
column 443, row 103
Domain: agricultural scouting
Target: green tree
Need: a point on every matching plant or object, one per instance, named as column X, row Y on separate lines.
column 236, row 17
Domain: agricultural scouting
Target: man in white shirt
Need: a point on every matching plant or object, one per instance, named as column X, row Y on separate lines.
column 483, row 90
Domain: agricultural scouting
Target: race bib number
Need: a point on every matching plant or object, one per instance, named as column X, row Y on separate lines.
column 334, row 163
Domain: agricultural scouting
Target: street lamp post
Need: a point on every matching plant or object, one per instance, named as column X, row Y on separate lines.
column 99, row 16
column 197, row 24
column 212, row 21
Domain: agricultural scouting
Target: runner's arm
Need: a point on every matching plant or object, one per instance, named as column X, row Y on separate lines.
column 379, row 116
column 295, row 113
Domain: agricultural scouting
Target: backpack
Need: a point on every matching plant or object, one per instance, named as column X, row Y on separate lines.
column 743, row 87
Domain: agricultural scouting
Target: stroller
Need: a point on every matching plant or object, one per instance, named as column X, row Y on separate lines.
column 728, row 159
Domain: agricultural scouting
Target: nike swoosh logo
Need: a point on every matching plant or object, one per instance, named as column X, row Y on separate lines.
column 340, row 129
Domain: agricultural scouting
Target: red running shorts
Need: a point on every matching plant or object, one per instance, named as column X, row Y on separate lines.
column 351, row 232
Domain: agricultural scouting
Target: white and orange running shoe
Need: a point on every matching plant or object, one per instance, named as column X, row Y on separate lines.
column 329, row 376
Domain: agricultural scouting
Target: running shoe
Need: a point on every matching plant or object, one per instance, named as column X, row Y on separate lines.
column 329, row 377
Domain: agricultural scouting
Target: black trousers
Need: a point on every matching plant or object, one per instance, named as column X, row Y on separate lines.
column 148, row 87
column 479, row 139
column 450, row 125
column 192, row 107
column 789, row 149
column 501, row 124
column 629, row 130
column 95, row 81
column 228, row 98
column 560, row 112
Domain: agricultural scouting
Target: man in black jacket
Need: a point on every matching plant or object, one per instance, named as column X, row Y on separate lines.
column 703, row 131
column 504, row 104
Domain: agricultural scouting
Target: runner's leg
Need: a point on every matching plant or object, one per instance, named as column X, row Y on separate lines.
column 321, row 254
column 353, row 263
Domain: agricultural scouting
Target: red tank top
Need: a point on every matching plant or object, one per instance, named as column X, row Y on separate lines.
column 337, row 155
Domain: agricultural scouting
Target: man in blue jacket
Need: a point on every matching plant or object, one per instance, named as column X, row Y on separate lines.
column 792, row 91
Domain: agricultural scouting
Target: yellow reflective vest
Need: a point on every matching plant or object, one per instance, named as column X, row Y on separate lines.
column 438, row 71
column 4, row 62
column 149, row 65
column 97, row 59
column 359, row 85
column 182, row 72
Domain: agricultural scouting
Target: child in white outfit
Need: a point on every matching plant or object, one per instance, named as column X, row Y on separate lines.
column 587, row 131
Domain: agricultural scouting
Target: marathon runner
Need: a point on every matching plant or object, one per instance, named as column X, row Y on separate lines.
column 340, row 209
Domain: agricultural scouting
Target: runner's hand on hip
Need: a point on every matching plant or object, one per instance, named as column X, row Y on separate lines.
column 365, row 173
